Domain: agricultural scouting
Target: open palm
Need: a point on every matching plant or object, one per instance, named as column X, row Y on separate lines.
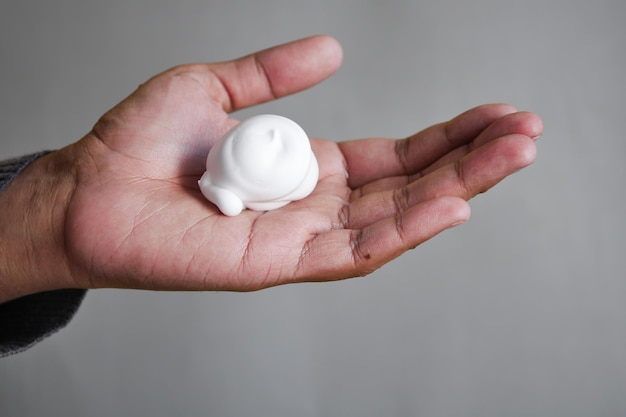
column 137, row 219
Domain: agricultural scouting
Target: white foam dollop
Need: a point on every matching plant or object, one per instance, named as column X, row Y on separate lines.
column 263, row 163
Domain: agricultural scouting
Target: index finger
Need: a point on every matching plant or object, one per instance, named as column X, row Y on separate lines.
column 373, row 159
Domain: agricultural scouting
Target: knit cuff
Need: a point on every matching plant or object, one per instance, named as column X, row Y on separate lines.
column 28, row 320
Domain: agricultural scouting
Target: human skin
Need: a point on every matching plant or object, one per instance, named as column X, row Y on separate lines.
column 121, row 207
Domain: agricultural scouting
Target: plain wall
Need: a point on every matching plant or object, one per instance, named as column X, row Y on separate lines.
column 520, row 312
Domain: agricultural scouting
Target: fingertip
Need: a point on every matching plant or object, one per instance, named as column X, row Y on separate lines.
column 529, row 152
column 495, row 110
column 522, row 122
column 520, row 150
column 324, row 51
column 332, row 48
column 455, row 209
column 535, row 125
column 505, row 108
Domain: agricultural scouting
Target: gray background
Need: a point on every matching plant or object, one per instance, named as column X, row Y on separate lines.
column 520, row 312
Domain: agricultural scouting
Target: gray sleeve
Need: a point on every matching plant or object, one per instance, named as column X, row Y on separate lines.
column 26, row 321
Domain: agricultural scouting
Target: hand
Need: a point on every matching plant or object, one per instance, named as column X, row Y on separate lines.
column 128, row 213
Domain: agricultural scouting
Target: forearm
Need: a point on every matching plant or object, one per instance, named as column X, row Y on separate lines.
column 34, row 195
column 28, row 311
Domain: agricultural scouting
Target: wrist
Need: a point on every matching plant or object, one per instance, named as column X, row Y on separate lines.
column 32, row 217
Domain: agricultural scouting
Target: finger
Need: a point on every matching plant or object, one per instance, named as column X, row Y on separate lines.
column 523, row 123
column 345, row 253
column 372, row 159
column 271, row 73
column 473, row 174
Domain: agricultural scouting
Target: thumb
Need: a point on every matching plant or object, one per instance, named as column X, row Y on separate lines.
column 271, row 73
